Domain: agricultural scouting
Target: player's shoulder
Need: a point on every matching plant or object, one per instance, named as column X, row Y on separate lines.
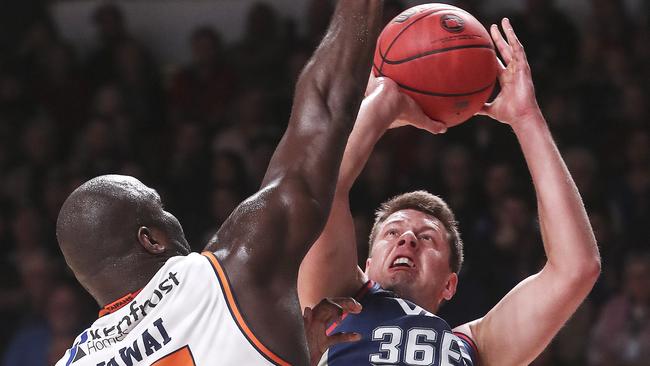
column 188, row 272
column 187, row 262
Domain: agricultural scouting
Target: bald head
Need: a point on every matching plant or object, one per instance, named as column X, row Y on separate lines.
column 106, row 227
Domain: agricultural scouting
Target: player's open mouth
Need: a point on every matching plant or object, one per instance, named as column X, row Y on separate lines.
column 402, row 262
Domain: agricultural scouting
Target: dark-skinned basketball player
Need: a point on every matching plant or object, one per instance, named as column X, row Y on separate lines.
column 416, row 251
column 237, row 303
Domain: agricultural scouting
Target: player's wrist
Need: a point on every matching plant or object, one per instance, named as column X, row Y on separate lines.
column 528, row 122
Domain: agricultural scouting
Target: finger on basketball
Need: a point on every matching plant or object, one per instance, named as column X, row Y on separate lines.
column 513, row 41
column 502, row 46
column 432, row 126
column 485, row 111
column 373, row 84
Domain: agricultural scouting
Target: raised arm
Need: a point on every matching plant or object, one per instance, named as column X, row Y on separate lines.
column 522, row 324
column 263, row 242
column 330, row 268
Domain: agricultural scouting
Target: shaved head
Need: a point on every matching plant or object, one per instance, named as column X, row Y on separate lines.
column 101, row 226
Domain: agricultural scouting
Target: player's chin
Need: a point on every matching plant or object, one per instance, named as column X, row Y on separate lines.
column 399, row 280
column 401, row 289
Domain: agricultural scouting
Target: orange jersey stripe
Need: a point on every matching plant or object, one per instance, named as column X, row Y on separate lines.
column 238, row 316
column 180, row 357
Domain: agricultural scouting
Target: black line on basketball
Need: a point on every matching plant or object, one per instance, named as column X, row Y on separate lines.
column 433, row 52
column 383, row 56
column 376, row 68
column 434, row 94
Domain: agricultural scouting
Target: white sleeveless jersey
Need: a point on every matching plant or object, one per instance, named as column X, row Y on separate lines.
column 185, row 316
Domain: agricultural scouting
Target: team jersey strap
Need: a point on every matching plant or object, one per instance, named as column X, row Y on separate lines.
column 118, row 304
column 470, row 342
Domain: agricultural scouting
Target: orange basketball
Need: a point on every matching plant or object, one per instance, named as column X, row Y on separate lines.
column 442, row 57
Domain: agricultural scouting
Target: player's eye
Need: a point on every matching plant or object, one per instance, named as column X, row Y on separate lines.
column 426, row 237
column 391, row 232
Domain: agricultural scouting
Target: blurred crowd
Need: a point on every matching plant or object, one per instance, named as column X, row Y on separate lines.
column 203, row 133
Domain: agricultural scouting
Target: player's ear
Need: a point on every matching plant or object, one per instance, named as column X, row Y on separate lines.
column 148, row 241
column 450, row 287
column 367, row 265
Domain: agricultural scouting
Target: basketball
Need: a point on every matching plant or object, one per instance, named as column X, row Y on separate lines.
column 440, row 56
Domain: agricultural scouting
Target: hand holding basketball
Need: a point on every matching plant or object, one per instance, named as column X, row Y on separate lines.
column 389, row 104
column 516, row 101
column 442, row 57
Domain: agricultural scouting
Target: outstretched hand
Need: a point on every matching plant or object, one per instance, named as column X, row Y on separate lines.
column 397, row 108
column 323, row 315
column 516, row 101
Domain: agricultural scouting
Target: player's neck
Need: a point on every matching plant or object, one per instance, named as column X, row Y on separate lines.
column 117, row 281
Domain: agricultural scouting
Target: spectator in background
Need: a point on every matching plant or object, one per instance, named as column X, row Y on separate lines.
column 38, row 274
column 110, row 105
column 97, row 150
column 635, row 108
column 23, row 181
column 393, row 8
column 376, row 181
column 16, row 18
column 251, row 117
column 584, row 169
column 228, row 169
column 260, row 152
column 42, row 343
column 261, row 52
column 16, row 104
column 632, row 195
column 425, row 160
column 186, row 178
column 622, row 334
column 59, row 87
column 458, row 183
column 507, row 245
column 610, row 22
column 203, row 89
column 612, row 249
column 551, row 41
column 111, row 30
column 223, row 200
column 136, row 74
column 318, row 16
column 39, row 36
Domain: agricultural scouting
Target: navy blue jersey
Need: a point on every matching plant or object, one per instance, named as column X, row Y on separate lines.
column 397, row 332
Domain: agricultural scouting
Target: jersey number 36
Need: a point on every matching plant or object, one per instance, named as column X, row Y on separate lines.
column 417, row 347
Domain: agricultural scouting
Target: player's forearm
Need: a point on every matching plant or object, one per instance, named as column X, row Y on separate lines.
column 568, row 238
column 365, row 135
column 340, row 66
column 330, row 268
column 328, row 95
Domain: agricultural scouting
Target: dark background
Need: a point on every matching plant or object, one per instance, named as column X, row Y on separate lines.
column 203, row 133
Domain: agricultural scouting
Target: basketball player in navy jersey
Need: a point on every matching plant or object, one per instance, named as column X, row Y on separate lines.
column 162, row 302
column 416, row 251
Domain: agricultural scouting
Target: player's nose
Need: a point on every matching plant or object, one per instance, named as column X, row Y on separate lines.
column 407, row 238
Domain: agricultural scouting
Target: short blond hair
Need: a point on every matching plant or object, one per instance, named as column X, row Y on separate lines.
column 429, row 204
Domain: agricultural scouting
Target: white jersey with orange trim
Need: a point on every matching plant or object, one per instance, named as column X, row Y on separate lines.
column 186, row 315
